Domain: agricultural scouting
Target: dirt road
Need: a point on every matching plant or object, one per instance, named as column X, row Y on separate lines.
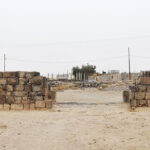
column 81, row 120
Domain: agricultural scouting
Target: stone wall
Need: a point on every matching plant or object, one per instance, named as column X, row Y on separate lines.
column 24, row 91
column 139, row 93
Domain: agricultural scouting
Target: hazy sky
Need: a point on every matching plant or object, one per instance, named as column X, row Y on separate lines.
column 51, row 36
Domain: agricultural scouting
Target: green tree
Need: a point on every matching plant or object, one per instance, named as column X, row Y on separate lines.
column 85, row 69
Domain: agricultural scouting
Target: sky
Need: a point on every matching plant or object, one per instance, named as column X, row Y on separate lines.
column 52, row 36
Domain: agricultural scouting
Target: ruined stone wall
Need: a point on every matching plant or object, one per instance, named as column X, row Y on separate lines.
column 24, row 91
column 139, row 94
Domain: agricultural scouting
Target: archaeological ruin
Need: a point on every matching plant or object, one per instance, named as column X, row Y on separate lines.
column 139, row 94
column 25, row 91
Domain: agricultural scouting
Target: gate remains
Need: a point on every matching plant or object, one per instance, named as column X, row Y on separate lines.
column 25, row 91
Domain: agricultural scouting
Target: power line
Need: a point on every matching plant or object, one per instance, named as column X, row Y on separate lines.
column 75, row 61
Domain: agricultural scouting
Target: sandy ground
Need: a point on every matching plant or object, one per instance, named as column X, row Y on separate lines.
column 81, row 120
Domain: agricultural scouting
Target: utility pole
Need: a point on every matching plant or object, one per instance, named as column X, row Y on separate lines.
column 129, row 64
column 4, row 62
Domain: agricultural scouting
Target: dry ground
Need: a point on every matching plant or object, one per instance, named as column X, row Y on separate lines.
column 81, row 120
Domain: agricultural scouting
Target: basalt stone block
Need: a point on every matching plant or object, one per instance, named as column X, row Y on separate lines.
column 30, row 75
column 133, row 88
column 140, row 95
column 23, row 81
column 16, row 106
column 9, row 100
column 39, row 93
column 9, row 88
column 1, row 74
column 19, row 88
column 40, row 104
column 37, row 80
column 10, row 74
column 3, row 87
column 38, row 98
column 12, row 81
column 53, row 95
column 36, row 88
column 48, row 103
column 28, row 88
column 3, row 81
column 20, row 93
column 2, row 99
column 6, row 107
column 32, row 94
column 126, row 96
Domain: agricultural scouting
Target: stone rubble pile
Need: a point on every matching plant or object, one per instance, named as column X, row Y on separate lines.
column 139, row 93
column 25, row 91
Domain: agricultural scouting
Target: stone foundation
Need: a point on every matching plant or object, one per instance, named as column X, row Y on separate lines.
column 25, row 91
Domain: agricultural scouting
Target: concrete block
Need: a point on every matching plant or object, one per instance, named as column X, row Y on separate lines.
column 3, row 81
column 140, row 95
column 12, row 81
column 16, row 106
column 6, row 107
column 40, row 104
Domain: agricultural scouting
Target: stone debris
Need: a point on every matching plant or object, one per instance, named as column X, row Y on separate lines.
column 25, row 91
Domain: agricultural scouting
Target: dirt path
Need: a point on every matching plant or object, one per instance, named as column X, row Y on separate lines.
column 81, row 120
